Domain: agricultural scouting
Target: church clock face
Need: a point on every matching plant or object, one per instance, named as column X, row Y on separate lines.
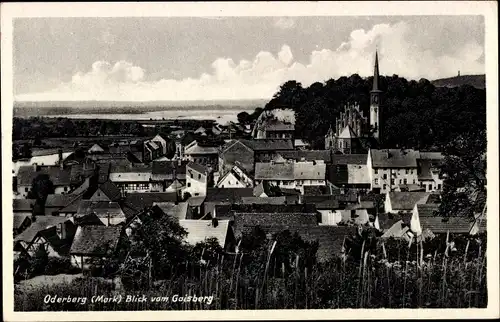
column 375, row 99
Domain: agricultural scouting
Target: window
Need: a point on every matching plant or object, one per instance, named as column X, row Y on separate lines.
column 192, row 176
column 406, row 171
column 26, row 189
column 65, row 188
column 376, row 181
column 376, row 171
column 400, row 181
column 405, row 181
column 189, row 184
column 199, row 176
column 385, row 187
column 439, row 186
column 392, row 182
column 385, row 176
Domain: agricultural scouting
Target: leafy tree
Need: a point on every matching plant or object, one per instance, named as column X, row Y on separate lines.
column 464, row 172
column 159, row 238
column 41, row 187
column 243, row 118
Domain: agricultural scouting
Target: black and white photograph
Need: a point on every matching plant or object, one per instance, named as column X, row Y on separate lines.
column 287, row 156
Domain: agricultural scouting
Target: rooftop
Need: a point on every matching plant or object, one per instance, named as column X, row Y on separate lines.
column 394, row 158
column 95, row 240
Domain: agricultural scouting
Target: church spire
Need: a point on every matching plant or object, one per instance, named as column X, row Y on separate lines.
column 375, row 73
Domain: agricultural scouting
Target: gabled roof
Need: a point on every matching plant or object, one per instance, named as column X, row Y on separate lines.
column 347, row 133
column 136, row 168
column 95, row 240
column 81, row 189
column 386, row 221
column 95, row 148
column 23, row 205
column 40, row 223
column 73, row 206
column 200, row 149
column 200, row 230
column 407, row 200
column 178, row 211
column 100, row 208
column 278, row 126
column 427, row 210
column 58, row 176
column 441, row 225
column 110, row 190
column 394, row 158
column 19, row 220
column 59, row 201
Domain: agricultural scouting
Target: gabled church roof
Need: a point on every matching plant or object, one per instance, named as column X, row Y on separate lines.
column 347, row 133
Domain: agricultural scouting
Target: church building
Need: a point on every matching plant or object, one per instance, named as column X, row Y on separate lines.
column 354, row 133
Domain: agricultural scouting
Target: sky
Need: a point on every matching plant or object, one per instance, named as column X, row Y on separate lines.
column 212, row 58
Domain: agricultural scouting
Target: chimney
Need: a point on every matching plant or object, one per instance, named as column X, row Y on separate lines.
column 215, row 222
column 35, row 167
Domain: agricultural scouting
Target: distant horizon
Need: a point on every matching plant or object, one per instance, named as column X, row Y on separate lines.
column 210, row 101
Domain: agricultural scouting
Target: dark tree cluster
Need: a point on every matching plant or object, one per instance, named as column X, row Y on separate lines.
column 416, row 114
column 36, row 128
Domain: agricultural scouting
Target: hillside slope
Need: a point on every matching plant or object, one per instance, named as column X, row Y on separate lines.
column 478, row 81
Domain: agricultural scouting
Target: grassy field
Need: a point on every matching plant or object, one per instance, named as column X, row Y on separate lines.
column 411, row 281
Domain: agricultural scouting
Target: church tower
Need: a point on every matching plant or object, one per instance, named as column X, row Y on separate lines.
column 375, row 94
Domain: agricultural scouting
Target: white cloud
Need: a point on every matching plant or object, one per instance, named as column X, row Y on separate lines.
column 284, row 23
column 261, row 77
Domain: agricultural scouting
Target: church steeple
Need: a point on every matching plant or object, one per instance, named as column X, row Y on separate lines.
column 375, row 73
column 375, row 100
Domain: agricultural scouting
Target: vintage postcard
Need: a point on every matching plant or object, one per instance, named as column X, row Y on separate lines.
column 288, row 160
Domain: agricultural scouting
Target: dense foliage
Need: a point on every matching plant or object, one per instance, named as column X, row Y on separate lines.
column 415, row 114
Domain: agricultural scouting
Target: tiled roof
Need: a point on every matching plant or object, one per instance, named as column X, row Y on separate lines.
column 139, row 201
column 349, row 158
column 397, row 230
column 407, row 200
column 270, row 222
column 330, row 239
column 19, row 220
column 269, row 144
column 197, row 167
column 95, row 240
column 274, row 171
column 40, row 223
column 59, row 201
column 198, row 149
column 386, row 221
column 95, row 148
column 441, row 225
column 72, row 207
column 81, row 171
column 233, row 195
column 322, row 201
column 308, row 171
column 81, row 189
column 110, row 190
column 179, row 210
column 100, row 208
column 168, row 167
column 23, row 204
column 196, row 201
column 264, row 200
column 58, row 176
column 200, row 230
column 136, row 168
column 394, row 158
column 41, row 152
column 427, row 210
column 308, row 155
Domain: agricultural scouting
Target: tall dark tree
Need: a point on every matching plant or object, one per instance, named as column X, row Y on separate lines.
column 41, row 187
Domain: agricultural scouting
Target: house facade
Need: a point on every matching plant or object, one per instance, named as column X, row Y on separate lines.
column 197, row 179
